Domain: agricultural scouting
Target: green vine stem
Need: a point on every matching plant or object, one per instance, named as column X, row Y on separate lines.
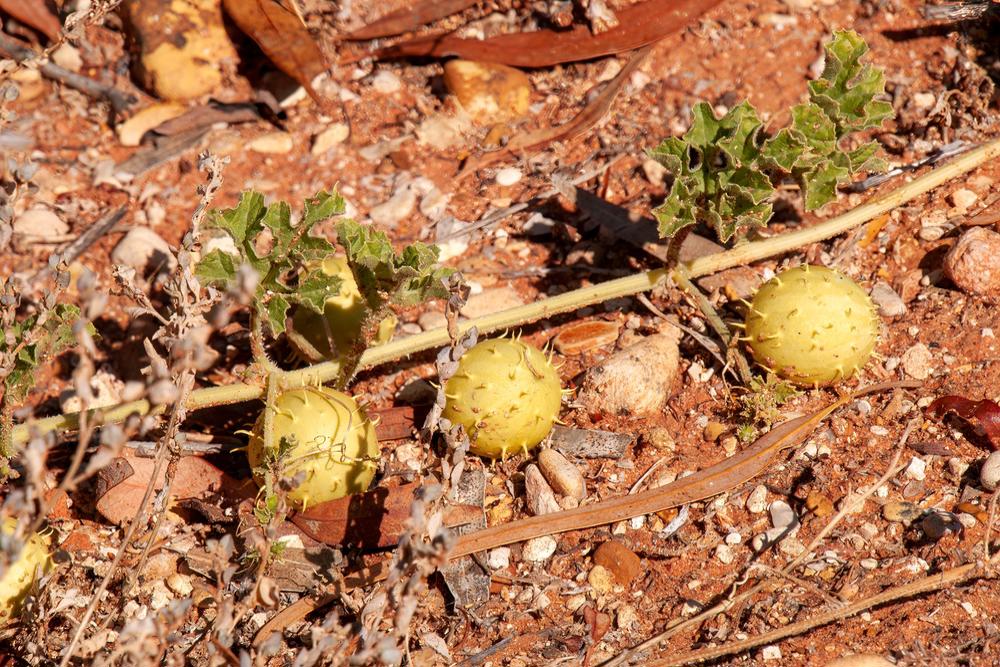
column 562, row 303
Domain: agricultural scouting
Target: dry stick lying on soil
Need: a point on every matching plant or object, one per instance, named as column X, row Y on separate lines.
column 728, row 474
column 120, row 101
column 567, row 302
column 679, row 625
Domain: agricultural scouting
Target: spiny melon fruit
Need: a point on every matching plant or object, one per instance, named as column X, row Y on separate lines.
column 331, row 439
column 812, row 326
column 20, row 574
column 506, row 394
column 343, row 313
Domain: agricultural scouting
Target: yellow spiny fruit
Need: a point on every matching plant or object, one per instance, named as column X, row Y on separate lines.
column 343, row 313
column 331, row 439
column 812, row 326
column 20, row 574
column 507, row 396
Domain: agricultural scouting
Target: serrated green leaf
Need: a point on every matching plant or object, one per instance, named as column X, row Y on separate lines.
column 322, row 206
column 278, row 219
column 784, row 149
column 314, row 289
column 863, row 158
column 672, row 153
column 819, row 186
column 704, row 126
column 814, row 127
column 276, row 311
column 738, row 132
column 240, row 222
column 217, row 268
column 676, row 211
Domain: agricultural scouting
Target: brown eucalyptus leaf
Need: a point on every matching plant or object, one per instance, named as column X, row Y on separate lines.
column 984, row 414
column 409, row 18
column 639, row 25
column 34, row 14
column 120, row 486
column 371, row 520
column 282, row 36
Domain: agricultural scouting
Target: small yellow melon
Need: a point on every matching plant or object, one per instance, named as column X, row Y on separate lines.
column 20, row 574
column 330, row 438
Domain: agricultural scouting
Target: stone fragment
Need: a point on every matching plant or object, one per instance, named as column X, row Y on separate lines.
column 901, row 511
column 989, row 473
column 68, row 57
column 973, row 263
column 962, row 199
column 540, row 497
column 624, row 565
column 490, row 93
column 432, row 319
column 917, row 361
column 938, row 523
column 539, row 549
column 272, row 143
column 889, row 303
column 40, row 223
column 782, row 515
column 491, row 300
column 394, row 210
column 600, row 579
column 184, row 51
column 499, row 558
column 634, row 381
column 330, row 137
column 508, row 176
column 130, row 132
column 582, row 337
column 757, row 500
column 143, row 250
column 562, row 475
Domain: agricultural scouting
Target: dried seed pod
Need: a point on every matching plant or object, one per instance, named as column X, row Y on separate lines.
column 507, row 396
column 19, row 574
column 328, row 437
column 812, row 326
column 344, row 312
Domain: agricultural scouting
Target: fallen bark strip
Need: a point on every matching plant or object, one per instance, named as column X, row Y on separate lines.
column 639, row 25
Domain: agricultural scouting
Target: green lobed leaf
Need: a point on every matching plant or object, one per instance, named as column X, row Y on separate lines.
column 314, row 289
column 217, row 268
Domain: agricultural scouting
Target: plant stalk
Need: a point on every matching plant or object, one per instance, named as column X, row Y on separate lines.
column 562, row 303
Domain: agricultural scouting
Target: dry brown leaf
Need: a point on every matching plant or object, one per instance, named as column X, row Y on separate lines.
column 34, row 14
column 283, row 37
column 639, row 25
column 371, row 520
column 410, row 18
column 121, row 485
column 580, row 123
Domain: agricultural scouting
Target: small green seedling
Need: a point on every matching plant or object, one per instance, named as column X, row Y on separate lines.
column 506, row 394
column 344, row 313
column 20, row 573
column 323, row 433
column 812, row 326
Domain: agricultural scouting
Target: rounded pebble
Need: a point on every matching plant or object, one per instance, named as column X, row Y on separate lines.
column 508, row 176
column 989, row 473
column 539, row 549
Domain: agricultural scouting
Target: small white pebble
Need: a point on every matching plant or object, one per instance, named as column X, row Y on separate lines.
column 734, row 538
column 499, row 558
column 508, row 176
column 757, row 500
column 917, row 469
column 989, row 474
column 969, row 609
column 869, row 563
column 988, row 333
column 725, row 554
column 770, row 653
column 880, row 431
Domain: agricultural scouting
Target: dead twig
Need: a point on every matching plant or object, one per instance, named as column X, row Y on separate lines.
column 120, row 101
